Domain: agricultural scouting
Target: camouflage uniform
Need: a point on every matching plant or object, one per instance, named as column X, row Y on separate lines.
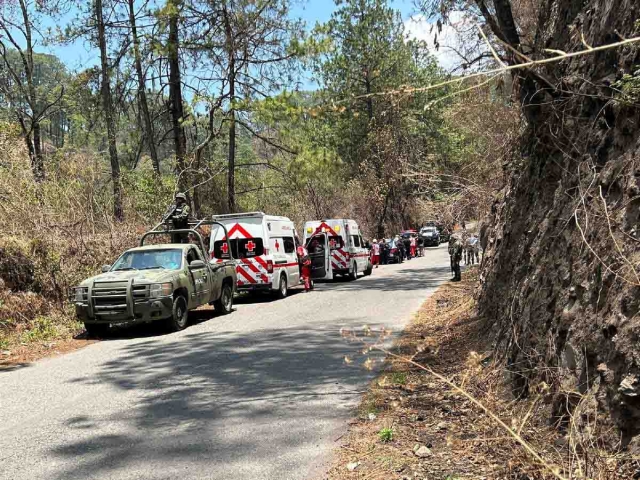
column 455, row 254
column 178, row 216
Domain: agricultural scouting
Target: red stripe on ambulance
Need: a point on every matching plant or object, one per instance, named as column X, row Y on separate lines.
column 245, row 274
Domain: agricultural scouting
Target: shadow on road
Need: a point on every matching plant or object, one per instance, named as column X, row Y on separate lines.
column 203, row 314
column 194, row 393
column 405, row 279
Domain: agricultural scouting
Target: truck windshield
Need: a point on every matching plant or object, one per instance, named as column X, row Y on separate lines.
column 240, row 247
column 167, row 259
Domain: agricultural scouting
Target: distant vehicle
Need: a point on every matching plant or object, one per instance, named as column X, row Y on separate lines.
column 264, row 247
column 336, row 248
column 394, row 253
column 155, row 283
column 430, row 236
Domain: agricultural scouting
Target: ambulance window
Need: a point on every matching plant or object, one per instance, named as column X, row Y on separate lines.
column 335, row 242
column 240, row 247
column 356, row 240
column 289, row 245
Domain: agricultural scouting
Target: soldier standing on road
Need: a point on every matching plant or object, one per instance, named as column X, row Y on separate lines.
column 178, row 215
column 455, row 254
column 400, row 247
column 384, row 252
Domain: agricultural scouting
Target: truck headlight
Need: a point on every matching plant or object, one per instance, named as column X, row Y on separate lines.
column 160, row 290
column 79, row 294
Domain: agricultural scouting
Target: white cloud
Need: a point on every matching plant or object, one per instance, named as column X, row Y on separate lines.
column 455, row 38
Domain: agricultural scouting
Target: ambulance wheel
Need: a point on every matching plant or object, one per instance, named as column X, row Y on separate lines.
column 369, row 270
column 224, row 304
column 353, row 274
column 283, row 289
column 178, row 320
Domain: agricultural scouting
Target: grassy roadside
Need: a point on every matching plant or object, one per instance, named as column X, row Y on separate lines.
column 43, row 336
column 412, row 426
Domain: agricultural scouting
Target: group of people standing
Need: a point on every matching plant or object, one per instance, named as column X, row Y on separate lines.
column 406, row 248
column 463, row 246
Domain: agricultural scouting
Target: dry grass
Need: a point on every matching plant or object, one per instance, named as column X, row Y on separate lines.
column 464, row 442
column 54, row 235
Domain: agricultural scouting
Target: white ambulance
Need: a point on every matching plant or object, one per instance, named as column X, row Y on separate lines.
column 336, row 247
column 264, row 247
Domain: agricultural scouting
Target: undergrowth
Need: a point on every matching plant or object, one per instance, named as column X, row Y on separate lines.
column 57, row 233
column 461, row 440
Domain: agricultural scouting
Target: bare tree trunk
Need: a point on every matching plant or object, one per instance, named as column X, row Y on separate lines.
column 37, row 162
column 231, row 157
column 107, row 105
column 175, row 93
column 232, row 161
column 383, row 215
column 368, row 100
column 142, row 95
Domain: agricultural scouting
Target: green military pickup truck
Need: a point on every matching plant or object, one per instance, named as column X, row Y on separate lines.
column 155, row 283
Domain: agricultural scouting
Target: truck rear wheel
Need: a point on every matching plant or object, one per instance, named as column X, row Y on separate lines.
column 96, row 330
column 224, row 304
column 178, row 320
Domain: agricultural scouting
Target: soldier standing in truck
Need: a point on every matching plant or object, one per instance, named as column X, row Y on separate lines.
column 178, row 216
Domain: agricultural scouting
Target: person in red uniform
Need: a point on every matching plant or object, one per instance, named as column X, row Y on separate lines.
column 414, row 246
column 305, row 266
column 375, row 253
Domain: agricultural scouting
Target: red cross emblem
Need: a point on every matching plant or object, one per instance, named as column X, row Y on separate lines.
column 277, row 246
column 225, row 248
column 251, row 246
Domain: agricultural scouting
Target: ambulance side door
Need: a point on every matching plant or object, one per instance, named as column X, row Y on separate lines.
column 363, row 254
column 293, row 270
column 357, row 251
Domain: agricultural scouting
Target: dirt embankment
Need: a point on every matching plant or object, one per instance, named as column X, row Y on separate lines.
column 412, row 425
column 561, row 285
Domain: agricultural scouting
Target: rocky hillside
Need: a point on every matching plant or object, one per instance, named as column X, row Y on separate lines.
column 562, row 269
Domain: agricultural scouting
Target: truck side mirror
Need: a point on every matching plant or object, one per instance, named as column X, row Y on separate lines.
column 106, row 268
column 196, row 264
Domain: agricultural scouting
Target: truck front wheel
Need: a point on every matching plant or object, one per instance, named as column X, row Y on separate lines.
column 178, row 320
column 224, row 304
column 96, row 330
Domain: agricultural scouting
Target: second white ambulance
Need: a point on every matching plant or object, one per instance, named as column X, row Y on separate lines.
column 264, row 247
column 336, row 247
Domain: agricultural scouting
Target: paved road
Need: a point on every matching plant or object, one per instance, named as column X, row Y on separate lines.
column 262, row 393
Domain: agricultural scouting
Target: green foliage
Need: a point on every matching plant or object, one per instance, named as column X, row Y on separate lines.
column 385, row 434
column 398, row 378
column 629, row 86
column 41, row 329
column 148, row 192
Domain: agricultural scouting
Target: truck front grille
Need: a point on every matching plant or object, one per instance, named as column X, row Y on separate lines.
column 110, row 298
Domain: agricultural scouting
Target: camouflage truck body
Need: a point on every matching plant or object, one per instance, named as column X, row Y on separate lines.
column 154, row 283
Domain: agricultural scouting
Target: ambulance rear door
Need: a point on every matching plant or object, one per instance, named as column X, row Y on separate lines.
column 247, row 243
column 357, row 248
column 318, row 248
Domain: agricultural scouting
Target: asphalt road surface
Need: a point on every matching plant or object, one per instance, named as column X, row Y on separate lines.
column 263, row 393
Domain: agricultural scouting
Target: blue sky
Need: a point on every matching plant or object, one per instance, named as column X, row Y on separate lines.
column 79, row 56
